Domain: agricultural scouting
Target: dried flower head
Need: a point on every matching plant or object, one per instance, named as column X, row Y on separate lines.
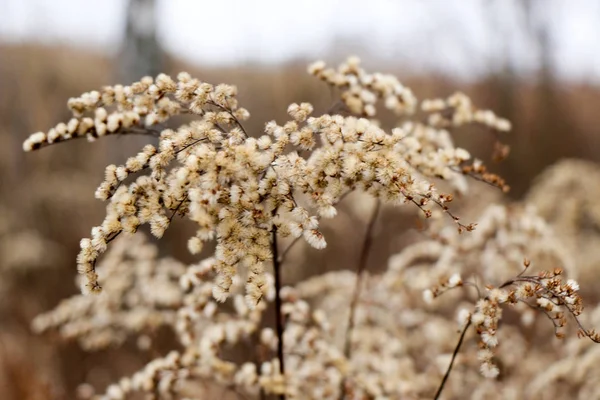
column 245, row 192
column 240, row 189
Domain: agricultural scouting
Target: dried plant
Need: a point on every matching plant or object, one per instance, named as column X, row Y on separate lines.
column 248, row 192
column 565, row 195
column 144, row 295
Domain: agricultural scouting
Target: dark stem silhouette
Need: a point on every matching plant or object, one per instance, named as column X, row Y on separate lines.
column 456, row 350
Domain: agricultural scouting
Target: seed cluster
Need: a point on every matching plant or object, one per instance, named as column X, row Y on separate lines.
column 245, row 190
column 240, row 189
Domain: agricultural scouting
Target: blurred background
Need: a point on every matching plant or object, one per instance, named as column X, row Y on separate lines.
column 535, row 62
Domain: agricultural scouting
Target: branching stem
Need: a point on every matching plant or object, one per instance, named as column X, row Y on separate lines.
column 279, row 323
column 456, row 350
column 362, row 265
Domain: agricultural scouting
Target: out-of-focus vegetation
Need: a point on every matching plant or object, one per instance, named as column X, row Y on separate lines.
column 47, row 204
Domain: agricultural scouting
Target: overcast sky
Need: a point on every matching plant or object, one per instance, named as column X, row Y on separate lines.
column 461, row 37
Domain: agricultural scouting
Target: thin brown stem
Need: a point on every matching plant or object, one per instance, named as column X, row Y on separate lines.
column 456, row 350
column 230, row 112
column 364, row 255
column 109, row 239
column 285, row 252
column 279, row 323
column 177, row 208
column 133, row 130
column 550, row 295
column 288, row 248
column 362, row 265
